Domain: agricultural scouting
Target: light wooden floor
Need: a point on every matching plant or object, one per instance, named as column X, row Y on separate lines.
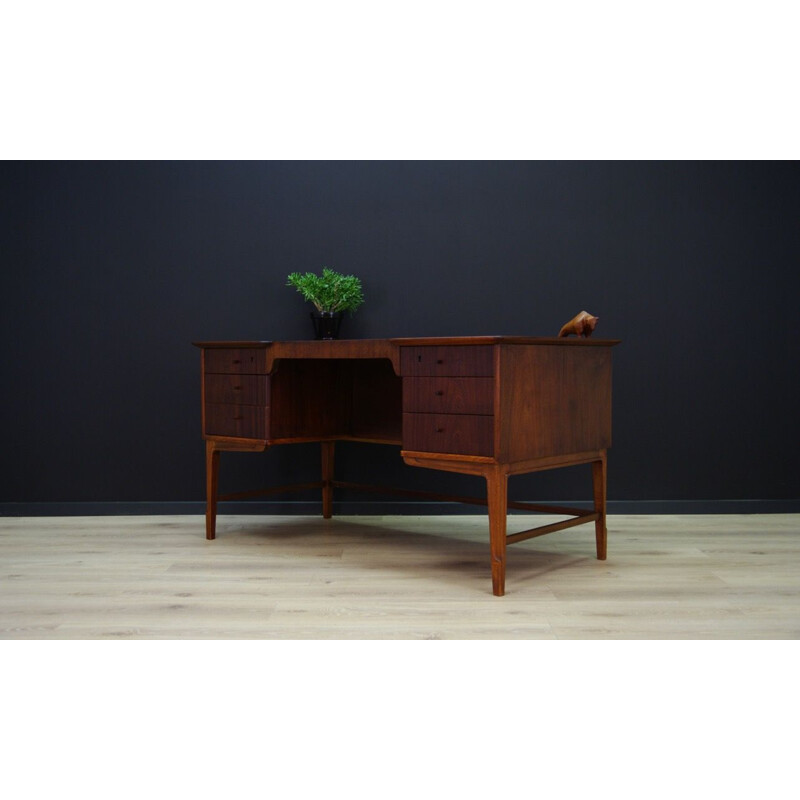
column 666, row 577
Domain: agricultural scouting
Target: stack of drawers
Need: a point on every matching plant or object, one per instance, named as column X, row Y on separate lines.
column 448, row 399
column 236, row 393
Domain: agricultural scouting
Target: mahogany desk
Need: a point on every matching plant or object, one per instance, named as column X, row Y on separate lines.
column 489, row 405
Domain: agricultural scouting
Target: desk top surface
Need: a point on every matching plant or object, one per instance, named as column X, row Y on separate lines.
column 377, row 344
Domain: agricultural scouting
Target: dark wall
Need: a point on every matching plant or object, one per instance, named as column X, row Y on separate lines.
column 110, row 270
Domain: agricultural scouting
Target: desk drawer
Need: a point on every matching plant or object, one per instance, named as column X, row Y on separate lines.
column 474, row 360
column 228, row 419
column 249, row 390
column 449, row 395
column 242, row 360
column 463, row 434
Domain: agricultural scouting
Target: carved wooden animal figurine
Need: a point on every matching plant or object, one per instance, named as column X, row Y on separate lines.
column 581, row 325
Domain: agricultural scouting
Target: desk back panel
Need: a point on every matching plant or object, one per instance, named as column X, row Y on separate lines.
column 377, row 405
column 337, row 399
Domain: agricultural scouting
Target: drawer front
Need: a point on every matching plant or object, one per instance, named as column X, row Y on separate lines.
column 458, row 360
column 250, row 390
column 245, row 422
column 449, row 395
column 462, row 434
column 242, row 360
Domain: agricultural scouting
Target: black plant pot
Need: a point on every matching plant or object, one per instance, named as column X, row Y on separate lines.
column 326, row 324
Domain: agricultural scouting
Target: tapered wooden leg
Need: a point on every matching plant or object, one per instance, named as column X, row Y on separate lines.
column 212, row 485
column 327, row 479
column 599, row 485
column 497, row 495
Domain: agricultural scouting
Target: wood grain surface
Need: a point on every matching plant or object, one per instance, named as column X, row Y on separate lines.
column 667, row 577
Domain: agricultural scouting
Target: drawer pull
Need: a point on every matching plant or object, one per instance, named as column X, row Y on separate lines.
column 240, row 416
column 237, row 360
column 237, row 388
column 440, row 361
column 440, row 430
column 439, row 393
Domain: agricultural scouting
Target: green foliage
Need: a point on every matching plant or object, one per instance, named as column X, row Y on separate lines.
column 330, row 291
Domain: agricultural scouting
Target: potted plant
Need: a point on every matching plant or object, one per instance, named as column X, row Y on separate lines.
column 331, row 293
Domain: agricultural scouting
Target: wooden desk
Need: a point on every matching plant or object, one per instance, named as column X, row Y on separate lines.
column 489, row 405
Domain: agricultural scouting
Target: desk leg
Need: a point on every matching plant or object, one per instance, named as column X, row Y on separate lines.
column 212, row 485
column 327, row 479
column 599, row 482
column 497, row 495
